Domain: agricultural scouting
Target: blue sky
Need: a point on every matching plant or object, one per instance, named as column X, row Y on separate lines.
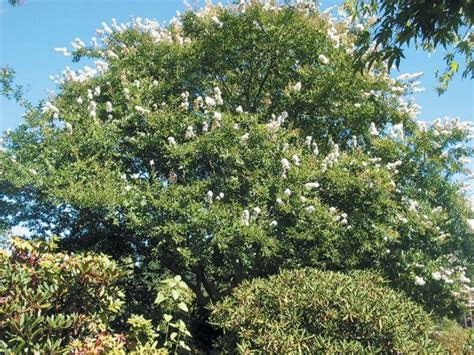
column 29, row 33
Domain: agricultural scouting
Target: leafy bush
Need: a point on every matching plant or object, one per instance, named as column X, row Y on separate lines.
column 49, row 299
column 453, row 338
column 308, row 310
column 54, row 302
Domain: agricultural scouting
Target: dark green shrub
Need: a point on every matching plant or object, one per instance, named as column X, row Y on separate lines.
column 308, row 310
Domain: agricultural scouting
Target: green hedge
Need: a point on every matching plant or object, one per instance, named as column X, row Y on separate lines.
column 309, row 310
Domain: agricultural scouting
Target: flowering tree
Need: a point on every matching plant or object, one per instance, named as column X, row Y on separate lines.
column 237, row 141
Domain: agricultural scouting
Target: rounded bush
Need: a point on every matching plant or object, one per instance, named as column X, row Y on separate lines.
column 308, row 310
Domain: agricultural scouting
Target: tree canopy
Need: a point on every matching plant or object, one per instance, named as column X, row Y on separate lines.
column 237, row 141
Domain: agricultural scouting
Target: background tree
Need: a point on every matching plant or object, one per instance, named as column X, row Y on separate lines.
column 238, row 141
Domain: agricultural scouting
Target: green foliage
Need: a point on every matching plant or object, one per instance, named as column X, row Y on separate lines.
column 392, row 24
column 51, row 299
column 58, row 303
column 235, row 142
column 454, row 338
column 308, row 310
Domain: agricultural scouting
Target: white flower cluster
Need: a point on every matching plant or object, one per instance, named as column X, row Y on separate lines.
column 446, row 126
column 397, row 132
column 189, row 133
column 448, row 276
column 419, row 281
column 409, row 77
column 410, row 108
column 62, row 50
column 141, row 110
column 247, row 217
column 373, row 129
column 331, row 159
column 296, row 87
column 82, row 75
column 323, row 59
column 276, row 122
column 49, row 108
column 311, row 145
column 92, row 108
column 185, row 104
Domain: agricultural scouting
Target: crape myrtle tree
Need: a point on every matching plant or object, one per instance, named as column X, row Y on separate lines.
column 237, row 141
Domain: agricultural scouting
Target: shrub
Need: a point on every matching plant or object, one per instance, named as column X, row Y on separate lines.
column 453, row 338
column 310, row 310
column 55, row 303
column 48, row 299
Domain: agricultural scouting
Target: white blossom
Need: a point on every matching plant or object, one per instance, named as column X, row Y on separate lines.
column 296, row 160
column 287, row 192
column 285, row 164
column 78, row 44
column 398, row 130
column 92, row 109
column 413, row 206
column 408, row 76
column 108, row 106
column 296, row 87
column 189, row 133
column 111, row 54
column 239, row 109
column 218, row 96
column 210, row 102
column 210, row 194
column 217, row 21
column 244, row 138
column 246, row 218
column 373, row 130
column 48, row 107
column 273, row 126
column 311, row 185
column 323, row 59
column 310, row 209
column 171, row 141
column 205, row 127
column 419, row 281
column 436, row 275
column 141, row 110
column 256, row 212
column 62, row 50
column 273, row 223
